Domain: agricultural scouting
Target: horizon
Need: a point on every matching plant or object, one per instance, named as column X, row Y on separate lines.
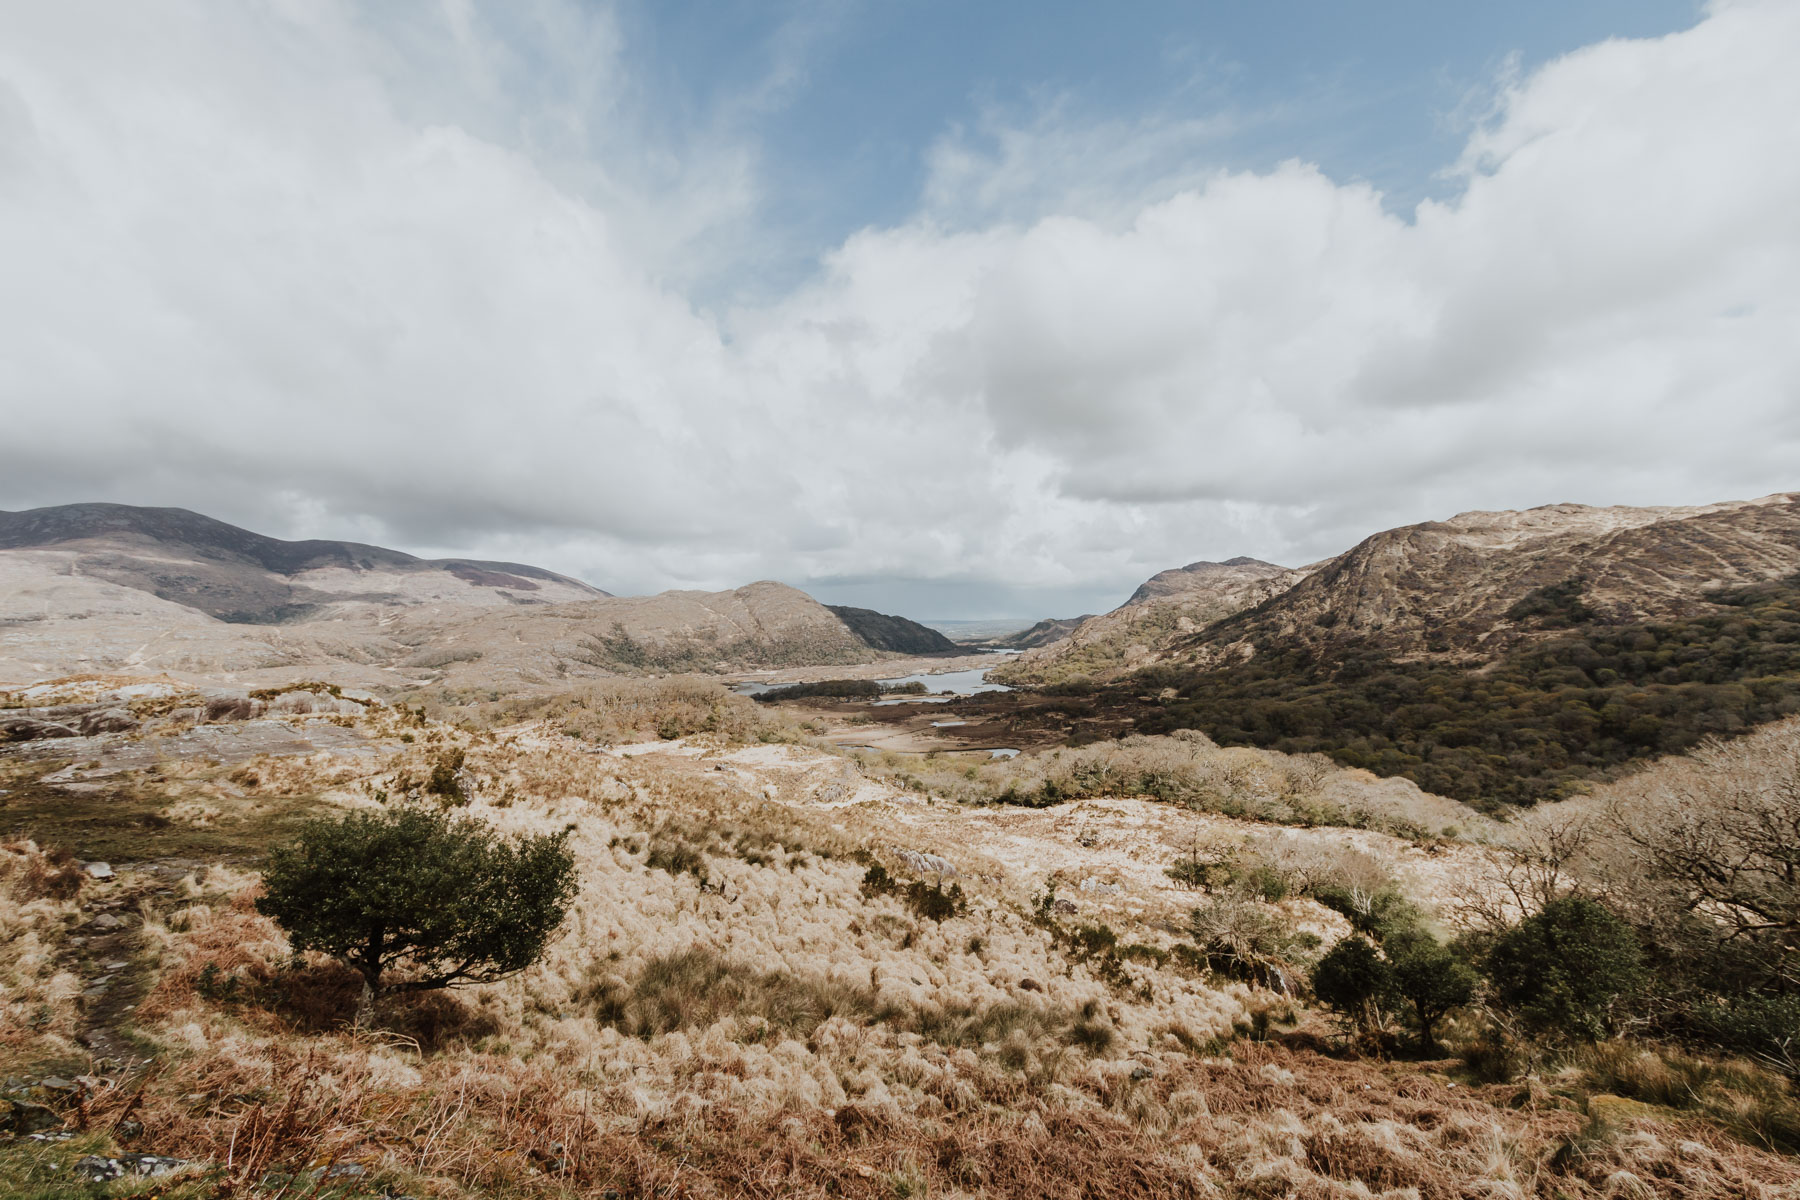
column 917, row 309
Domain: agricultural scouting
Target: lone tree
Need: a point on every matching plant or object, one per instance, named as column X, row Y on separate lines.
column 448, row 901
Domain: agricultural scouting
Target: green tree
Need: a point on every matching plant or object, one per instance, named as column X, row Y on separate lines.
column 1431, row 978
column 1564, row 969
column 1355, row 980
column 448, row 901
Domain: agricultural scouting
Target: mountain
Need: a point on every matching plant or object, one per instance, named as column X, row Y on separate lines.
column 1045, row 632
column 246, row 578
column 112, row 588
column 1509, row 656
column 1466, row 588
column 1167, row 608
column 895, row 634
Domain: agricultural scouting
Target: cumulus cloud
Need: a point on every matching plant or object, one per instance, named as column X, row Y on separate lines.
column 334, row 277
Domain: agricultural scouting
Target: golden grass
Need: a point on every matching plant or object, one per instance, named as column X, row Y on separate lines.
column 743, row 1017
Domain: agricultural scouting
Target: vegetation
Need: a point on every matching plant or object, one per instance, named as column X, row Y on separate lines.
column 1566, row 968
column 1545, row 720
column 450, row 901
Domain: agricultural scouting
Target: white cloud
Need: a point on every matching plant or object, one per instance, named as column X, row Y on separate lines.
column 325, row 276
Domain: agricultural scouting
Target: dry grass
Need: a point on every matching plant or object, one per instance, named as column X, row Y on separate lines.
column 38, row 997
column 729, row 1012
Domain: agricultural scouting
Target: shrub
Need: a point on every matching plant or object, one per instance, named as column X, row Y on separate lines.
column 1241, row 939
column 445, row 781
column 449, row 900
column 1564, row 969
column 1431, row 978
column 1355, row 980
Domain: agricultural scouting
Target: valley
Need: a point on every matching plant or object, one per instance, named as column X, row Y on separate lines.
column 857, row 912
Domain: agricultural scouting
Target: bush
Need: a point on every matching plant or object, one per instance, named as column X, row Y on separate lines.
column 1355, row 980
column 1239, row 938
column 1431, row 978
column 1566, row 968
column 449, row 900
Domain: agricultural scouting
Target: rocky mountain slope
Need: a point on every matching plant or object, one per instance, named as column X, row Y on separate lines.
column 1166, row 609
column 245, row 578
column 1481, row 582
column 106, row 587
column 1511, row 656
column 895, row 634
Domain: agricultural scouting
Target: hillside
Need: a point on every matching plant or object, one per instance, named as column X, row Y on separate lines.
column 895, row 634
column 1451, row 587
column 1166, row 609
column 107, row 587
column 245, row 578
column 1512, row 656
column 785, row 972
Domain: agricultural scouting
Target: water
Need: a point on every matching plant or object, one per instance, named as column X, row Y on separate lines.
column 962, row 683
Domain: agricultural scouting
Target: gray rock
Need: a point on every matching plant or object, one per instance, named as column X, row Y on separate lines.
column 107, row 921
column 928, row 864
column 108, row 720
column 18, row 727
column 99, row 870
column 96, row 1169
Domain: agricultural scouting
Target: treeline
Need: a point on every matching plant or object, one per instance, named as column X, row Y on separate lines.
column 1545, row 719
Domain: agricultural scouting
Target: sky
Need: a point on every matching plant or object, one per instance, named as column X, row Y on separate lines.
column 958, row 311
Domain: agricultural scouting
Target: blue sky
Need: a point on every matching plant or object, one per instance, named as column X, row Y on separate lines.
column 954, row 310
column 1382, row 92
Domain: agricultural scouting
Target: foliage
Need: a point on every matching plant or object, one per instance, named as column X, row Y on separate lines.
column 445, row 782
column 1240, row 938
column 1430, row 977
column 448, row 900
column 928, row 900
column 1564, row 969
column 1547, row 716
column 1355, row 980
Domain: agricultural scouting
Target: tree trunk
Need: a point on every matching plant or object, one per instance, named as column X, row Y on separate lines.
column 365, row 1004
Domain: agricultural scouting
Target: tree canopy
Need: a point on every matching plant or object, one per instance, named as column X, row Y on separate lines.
column 446, row 901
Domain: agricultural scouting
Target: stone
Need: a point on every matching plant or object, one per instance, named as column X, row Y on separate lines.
column 98, row 870
column 98, row 1169
column 15, row 727
column 108, row 720
column 107, row 921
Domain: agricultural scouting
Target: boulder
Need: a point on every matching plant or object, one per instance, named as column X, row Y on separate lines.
column 98, row 870
column 928, row 864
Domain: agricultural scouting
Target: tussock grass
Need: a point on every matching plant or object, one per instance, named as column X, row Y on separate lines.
column 774, row 1028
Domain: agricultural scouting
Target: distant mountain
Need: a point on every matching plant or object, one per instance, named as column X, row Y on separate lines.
column 1211, row 578
column 1167, row 608
column 247, row 578
column 113, row 588
column 1044, row 633
column 895, row 634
